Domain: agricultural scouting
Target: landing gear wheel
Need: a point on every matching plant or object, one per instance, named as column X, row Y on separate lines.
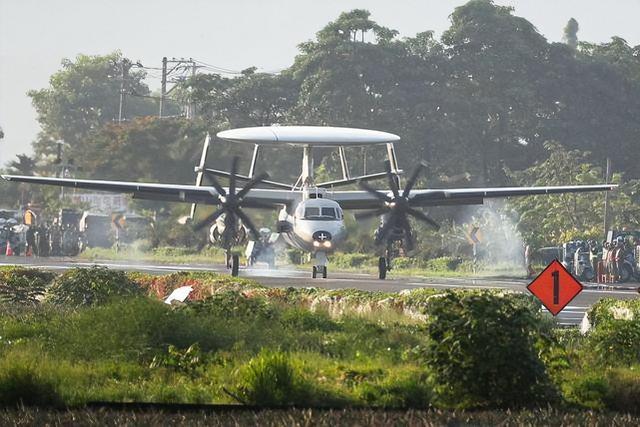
column 235, row 264
column 382, row 268
column 314, row 272
column 324, row 272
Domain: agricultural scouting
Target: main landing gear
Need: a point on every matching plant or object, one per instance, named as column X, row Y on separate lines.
column 233, row 263
column 384, row 262
column 382, row 268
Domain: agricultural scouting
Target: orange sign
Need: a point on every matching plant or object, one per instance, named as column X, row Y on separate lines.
column 555, row 287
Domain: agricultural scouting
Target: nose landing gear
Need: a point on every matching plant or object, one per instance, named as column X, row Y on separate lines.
column 319, row 269
column 320, row 265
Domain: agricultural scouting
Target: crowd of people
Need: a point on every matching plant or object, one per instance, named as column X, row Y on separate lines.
column 619, row 259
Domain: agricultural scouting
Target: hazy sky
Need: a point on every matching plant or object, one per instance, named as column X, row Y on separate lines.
column 235, row 34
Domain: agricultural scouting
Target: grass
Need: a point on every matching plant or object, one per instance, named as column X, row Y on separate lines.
column 329, row 418
column 160, row 255
column 238, row 342
column 361, row 263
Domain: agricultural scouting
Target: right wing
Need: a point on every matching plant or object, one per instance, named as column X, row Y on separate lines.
column 165, row 192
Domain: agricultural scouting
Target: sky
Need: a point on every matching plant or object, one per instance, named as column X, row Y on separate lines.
column 35, row 35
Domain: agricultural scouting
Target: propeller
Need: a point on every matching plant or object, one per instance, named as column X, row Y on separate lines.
column 231, row 204
column 397, row 206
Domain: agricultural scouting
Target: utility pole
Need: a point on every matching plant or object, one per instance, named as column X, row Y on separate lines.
column 163, row 88
column 191, row 107
column 607, row 179
column 125, row 65
column 178, row 73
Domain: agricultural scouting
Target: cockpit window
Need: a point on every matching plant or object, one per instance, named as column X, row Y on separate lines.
column 320, row 213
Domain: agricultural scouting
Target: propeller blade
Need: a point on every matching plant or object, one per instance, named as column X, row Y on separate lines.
column 369, row 214
column 251, row 184
column 215, row 183
column 247, row 221
column 412, row 180
column 208, row 220
column 232, row 176
column 369, row 189
column 393, row 182
column 422, row 217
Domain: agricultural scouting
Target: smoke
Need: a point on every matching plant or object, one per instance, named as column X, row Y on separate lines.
column 500, row 242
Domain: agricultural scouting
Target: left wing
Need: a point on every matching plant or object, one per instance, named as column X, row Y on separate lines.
column 459, row 196
column 165, row 192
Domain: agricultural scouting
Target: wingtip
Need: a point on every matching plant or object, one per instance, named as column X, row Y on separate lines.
column 6, row 177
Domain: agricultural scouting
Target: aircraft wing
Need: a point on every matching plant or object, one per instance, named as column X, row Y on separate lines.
column 165, row 192
column 460, row 196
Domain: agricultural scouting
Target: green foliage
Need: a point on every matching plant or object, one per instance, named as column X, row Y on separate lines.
column 481, row 349
column 546, row 220
column 624, row 390
column 22, row 384
column 88, row 286
column 411, row 390
column 272, row 379
column 616, row 342
column 187, row 361
column 19, row 285
column 587, row 391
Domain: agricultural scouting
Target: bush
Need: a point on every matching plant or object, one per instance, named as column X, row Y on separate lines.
column 21, row 290
column 21, row 384
column 443, row 264
column 44, row 277
column 616, row 342
column 352, row 260
column 393, row 392
column 613, row 309
column 624, row 390
column 19, row 285
column 89, row 286
column 270, row 379
column 588, row 391
column 482, row 349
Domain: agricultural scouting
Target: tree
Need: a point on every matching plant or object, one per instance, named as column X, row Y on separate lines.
column 547, row 220
column 81, row 97
column 25, row 165
column 570, row 36
column 496, row 61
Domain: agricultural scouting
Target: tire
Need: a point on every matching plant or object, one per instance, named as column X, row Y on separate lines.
column 314, row 272
column 625, row 274
column 382, row 268
column 324, row 272
column 235, row 265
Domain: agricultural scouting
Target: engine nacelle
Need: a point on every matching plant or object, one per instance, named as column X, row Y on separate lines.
column 217, row 230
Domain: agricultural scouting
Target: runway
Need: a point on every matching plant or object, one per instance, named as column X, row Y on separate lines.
column 287, row 276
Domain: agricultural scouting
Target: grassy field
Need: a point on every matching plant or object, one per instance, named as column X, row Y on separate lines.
column 328, row 418
column 362, row 263
column 99, row 335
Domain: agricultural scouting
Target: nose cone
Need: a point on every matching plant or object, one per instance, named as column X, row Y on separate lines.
column 322, row 236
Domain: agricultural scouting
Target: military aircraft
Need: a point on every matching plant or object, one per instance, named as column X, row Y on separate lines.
column 311, row 216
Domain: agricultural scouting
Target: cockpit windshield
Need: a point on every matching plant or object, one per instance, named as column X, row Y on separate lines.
column 321, row 213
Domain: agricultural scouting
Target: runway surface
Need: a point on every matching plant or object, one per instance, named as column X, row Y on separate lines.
column 286, row 276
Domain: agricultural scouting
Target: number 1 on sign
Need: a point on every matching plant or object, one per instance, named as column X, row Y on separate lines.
column 556, row 287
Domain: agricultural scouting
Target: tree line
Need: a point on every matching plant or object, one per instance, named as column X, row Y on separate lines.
column 490, row 102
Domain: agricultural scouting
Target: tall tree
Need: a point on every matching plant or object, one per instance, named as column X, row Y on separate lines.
column 570, row 33
column 83, row 96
